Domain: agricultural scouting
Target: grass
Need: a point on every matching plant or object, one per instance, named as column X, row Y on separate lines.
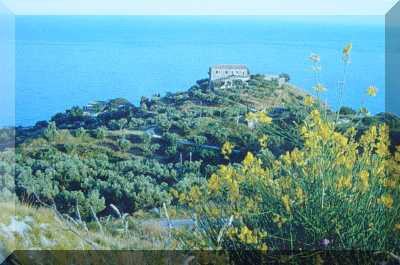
column 24, row 227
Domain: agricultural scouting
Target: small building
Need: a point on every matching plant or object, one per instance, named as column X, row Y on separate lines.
column 226, row 74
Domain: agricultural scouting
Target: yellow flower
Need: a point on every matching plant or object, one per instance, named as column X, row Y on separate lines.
column 368, row 139
column 397, row 154
column 248, row 160
column 287, row 158
column 397, row 227
column 382, row 147
column 262, row 234
column 316, row 116
column 349, row 163
column 298, row 157
column 325, row 132
column 234, row 192
column 232, row 232
column 259, row 117
column 285, row 183
column 371, row 91
column 225, row 171
column 364, row 177
column 250, row 117
column 300, row 195
column 214, row 211
column 195, row 194
column 389, row 183
column 263, row 141
column 340, row 139
column 308, row 101
column 347, row 49
column 214, row 183
column 182, row 198
column 264, row 118
column 319, row 87
column 227, row 149
column 279, row 220
column 286, row 202
column 351, row 132
column 246, row 236
column 386, row 200
column 251, row 206
column 263, row 247
column 344, row 182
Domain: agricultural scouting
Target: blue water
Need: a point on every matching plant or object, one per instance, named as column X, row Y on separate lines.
column 66, row 61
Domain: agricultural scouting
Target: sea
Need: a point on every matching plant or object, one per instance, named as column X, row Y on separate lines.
column 66, row 61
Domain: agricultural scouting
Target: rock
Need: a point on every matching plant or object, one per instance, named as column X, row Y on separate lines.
column 17, row 227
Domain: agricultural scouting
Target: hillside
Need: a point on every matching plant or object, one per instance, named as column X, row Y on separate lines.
column 138, row 158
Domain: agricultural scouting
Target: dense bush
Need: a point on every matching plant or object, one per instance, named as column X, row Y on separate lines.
column 7, row 175
column 124, row 144
column 347, row 111
column 335, row 193
column 7, row 135
column 101, row 132
column 79, row 173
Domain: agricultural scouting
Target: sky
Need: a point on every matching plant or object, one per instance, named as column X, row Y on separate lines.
column 199, row 7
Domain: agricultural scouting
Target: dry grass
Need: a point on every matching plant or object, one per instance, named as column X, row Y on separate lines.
column 30, row 228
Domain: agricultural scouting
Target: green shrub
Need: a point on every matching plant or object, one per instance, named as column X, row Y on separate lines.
column 7, row 175
column 101, row 133
column 80, row 132
column 336, row 193
column 347, row 111
column 51, row 131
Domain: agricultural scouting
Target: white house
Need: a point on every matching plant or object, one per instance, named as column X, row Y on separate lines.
column 227, row 73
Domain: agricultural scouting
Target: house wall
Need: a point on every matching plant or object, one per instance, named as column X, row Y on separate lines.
column 218, row 73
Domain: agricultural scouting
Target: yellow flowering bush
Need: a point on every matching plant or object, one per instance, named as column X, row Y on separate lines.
column 339, row 189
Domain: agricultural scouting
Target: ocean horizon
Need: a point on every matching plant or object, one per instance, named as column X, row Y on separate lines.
column 66, row 61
